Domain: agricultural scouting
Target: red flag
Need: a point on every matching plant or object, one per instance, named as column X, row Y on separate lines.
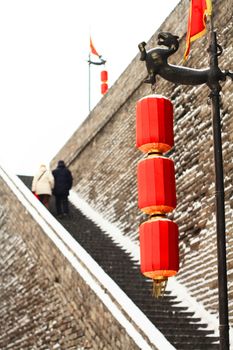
column 198, row 11
column 93, row 50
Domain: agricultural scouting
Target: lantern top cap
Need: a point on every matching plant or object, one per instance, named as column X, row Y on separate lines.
column 156, row 218
column 155, row 156
column 155, row 96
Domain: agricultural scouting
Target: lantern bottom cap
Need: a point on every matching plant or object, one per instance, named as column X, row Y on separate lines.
column 154, row 147
column 157, row 209
column 160, row 274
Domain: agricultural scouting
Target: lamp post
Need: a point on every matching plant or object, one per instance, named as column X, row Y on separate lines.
column 219, row 197
column 157, row 64
column 97, row 63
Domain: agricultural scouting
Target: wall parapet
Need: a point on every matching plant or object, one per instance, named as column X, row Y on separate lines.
column 80, row 279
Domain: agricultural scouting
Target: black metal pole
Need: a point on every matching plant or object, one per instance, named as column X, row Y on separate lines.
column 219, row 197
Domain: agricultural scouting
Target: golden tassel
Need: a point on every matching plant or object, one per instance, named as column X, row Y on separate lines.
column 159, row 286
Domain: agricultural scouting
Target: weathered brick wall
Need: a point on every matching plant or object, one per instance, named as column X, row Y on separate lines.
column 102, row 156
column 45, row 304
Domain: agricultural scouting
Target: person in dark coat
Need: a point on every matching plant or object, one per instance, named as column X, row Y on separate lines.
column 63, row 181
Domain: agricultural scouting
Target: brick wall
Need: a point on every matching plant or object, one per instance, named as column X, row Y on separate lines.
column 45, row 303
column 102, row 156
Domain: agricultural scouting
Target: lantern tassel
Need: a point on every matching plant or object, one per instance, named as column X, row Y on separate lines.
column 159, row 286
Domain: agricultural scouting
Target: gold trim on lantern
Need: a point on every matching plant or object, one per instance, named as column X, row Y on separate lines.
column 157, row 217
column 154, row 154
column 155, row 147
column 157, row 209
column 158, row 274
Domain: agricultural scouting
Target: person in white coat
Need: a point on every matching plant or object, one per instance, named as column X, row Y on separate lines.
column 42, row 185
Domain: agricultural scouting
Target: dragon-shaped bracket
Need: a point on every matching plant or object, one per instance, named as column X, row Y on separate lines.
column 99, row 63
column 157, row 64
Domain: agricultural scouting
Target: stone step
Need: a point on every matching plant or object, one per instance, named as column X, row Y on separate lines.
column 180, row 331
column 168, row 314
column 200, row 346
column 191, row 339
column 181, row 321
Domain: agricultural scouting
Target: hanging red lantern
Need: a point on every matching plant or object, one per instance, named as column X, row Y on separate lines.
column 154, row 124
column 159, row 251
column 104, row 76
column 104, row 88
column 156, row 185
column 104, row 79
column 159, row 248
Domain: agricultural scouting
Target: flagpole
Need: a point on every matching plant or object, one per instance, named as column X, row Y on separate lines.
column 214, row 51
column 98, row 63
column 89, row 82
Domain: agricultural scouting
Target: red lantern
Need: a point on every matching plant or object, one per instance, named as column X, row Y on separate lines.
column 104, row 76
column 159, row 248
column 154, row 124
column 104, row 88
column 156, row 185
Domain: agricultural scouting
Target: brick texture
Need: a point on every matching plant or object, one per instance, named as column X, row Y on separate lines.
column 45, row 303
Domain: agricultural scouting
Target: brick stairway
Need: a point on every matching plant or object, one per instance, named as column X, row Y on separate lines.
column 176, row 323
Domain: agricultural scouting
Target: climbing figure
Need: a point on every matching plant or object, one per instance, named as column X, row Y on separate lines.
column 63, row 183
column 42, row 185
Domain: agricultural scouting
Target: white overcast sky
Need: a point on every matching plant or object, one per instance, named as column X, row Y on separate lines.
column 44, row 47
